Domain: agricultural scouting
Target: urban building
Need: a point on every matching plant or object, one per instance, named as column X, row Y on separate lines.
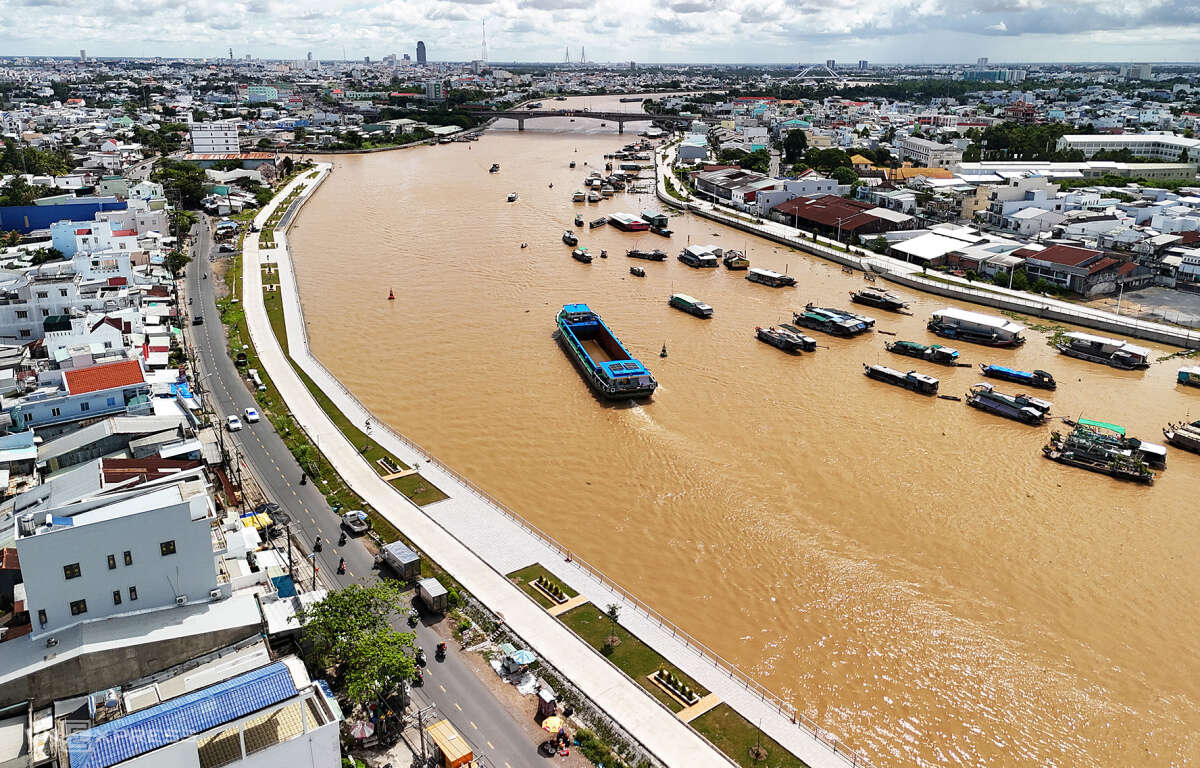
column 1166, row 147
column 929, row 154
column 80, row 394
column 1084, row 271
column 214, row 138
column 421, row 52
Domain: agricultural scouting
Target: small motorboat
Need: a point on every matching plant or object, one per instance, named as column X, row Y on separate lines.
column 524, row 245
column 637, row 271
column 581, row 254
column 578, row 220
column 495, row 168
column 512, row 197
column 552, row 185
column 603, row 253
column 572, row 163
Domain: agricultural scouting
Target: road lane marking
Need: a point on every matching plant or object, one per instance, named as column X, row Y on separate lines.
column 491, row 745
column 457, row 707
column 442, row 687
column 472, row 722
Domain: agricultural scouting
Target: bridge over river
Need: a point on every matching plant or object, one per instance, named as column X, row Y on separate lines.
column 620, row 118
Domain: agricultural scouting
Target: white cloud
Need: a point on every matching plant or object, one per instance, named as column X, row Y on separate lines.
column 999, row 26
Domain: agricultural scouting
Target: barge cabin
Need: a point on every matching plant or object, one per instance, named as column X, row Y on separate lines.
column 655, row 255
column 606, row 365
column 1190, row 376
column 655, row 219
column 976, row 328
column 878, row 297
column 735, row 260
column 1038, row 379
column 768, row 277
column 832, row 321
column 934, row 353
column 787, row 340
column 701, row 256
column 690, row 305
column 627, row 223
column 917, row 382
column 1100, row 349
column 1029, row 410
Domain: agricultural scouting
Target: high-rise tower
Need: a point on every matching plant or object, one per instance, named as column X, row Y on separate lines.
column 483, row 48
column 420, row 51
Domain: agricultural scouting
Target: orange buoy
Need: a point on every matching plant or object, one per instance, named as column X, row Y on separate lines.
column 391, row 296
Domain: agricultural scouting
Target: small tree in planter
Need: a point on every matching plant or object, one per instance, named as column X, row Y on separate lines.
column 613, row 612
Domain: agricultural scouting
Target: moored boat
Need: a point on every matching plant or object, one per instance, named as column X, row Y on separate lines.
column 700, row 256
column 655, row 219
column 769, row 277
column 917, row 382
column 976, row 328
column 878, row 297
column 495, row 168
column 578, row 197
column 1190, row 376
column 578, row 220
column 1029, row 410
column 663, row 231
column 627, row 223
column 735, row 260
column 832, row 321
column 809, row 344
column 606, row 365
column 572, row 163
column 637, row 271
column 1184, row 435
column 784, row 339
column 581, row 254
column 593, row 196
column 690, row 305
column 1101, row 349
column 654, row 255
column 1035, row 378
column 1098, row 447
column 569, row 238
column 934, row 353
column 595, row 223
column 512, row 197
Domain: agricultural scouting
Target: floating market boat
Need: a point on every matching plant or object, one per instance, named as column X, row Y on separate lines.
column 832, row 321
column 1083, row 448
column 578, row 197
column 655, row 255
column 784, row 339
column 593, row 196
column 1184, row 435
column 495, row 168
column 769, row 277
column 1023, row 408
column 581, row 254
column 597, row 223
column 1039, row 379
column 976, row 328
column 878, row 297
column 700, row 257
column 627, row 222
column 637, row 271
column 1190, row 376
column 579, row 220
column 809, row 343
column 690, row 305
column 606, row 365
column 1101, row 349
column 1112, row 437
column 735, row 260
column 661, row 231
column 934, row 353
column 917, row 382
column 569, row 238
column 512, row 197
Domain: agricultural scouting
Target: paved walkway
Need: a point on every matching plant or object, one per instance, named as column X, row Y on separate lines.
column 912, row 276
column 478, row 541
column 689, row 714
column 561, row 608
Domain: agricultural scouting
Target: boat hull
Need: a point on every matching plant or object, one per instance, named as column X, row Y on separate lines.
column 994, row 373
column 878, row 303
column 1080, row 354
column 1005, row 410
column 973, row 337
column 637, row 390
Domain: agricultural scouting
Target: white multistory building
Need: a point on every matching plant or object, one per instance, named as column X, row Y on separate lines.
column 928, row 154
column 215, row 138
column 1166, row 147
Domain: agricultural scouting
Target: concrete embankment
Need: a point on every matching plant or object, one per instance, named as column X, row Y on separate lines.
column 909, row 275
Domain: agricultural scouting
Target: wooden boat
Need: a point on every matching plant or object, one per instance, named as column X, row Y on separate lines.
column 735, row 260
column 581, row 254
column 916, row 382
column 934, row 353
column 877, row 297
column 637, row 271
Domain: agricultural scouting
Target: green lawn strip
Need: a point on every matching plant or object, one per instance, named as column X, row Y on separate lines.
column 419, row 490
column 735, row 736
column 634, row 657
column 525, row 575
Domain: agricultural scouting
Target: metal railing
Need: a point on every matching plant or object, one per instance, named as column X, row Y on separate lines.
column 715, row 660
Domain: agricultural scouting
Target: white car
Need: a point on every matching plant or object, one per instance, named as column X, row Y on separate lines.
column 252, row 415
column 233, row 423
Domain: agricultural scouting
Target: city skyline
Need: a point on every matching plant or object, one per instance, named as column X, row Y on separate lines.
column 680, row 31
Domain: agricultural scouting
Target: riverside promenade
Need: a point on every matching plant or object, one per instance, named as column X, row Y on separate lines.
column 478, row 541
column 910, row 275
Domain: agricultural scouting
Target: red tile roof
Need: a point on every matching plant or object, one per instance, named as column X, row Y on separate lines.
column 106, row 320
column 1127, row 268
column 1191, row 236
column 1101, row 265
column 115, row 281
column 9, row 559
column 101, row 377
column 124, row 232
column 1066, row 255
column 83, row 231
column 828, row 210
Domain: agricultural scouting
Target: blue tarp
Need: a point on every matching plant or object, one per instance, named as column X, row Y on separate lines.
column 26, row 218
column 284, row 586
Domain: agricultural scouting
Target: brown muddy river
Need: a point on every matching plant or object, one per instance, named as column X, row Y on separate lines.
column 909, row 571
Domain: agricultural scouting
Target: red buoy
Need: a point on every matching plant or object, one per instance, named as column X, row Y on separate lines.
column 391, row 296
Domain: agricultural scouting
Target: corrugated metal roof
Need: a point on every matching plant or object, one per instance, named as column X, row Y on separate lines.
column 120, row 740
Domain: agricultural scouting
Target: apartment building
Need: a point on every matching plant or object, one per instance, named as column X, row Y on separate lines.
column 214, row 138
column 928, row 154
column 1164, row 147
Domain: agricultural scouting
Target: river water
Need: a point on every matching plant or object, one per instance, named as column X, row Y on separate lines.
column 909, row 571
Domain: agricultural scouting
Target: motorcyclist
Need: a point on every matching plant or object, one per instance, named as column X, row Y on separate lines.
column 341, row 566
column 317, row 545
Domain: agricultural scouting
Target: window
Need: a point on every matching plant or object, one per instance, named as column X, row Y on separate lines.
column 112, row 562
column 72, row 571
column 42, row 294
column 78, row 607
column 22, row 314
column 62, row 292
column 132, row 593
column 25, row 334
column 167, row 547
column 128, row 557
column 45, row 313
column 56, row 412
column 112, row 401
column 85, row 406
column 42, row 616
column 116, row 597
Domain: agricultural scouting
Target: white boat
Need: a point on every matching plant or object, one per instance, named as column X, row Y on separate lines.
column 1101, row 349
column 976, row 327
column 578, row 197
column 593, row 196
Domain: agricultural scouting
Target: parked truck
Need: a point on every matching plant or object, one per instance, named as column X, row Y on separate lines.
column 433, row 595
column 402, row 560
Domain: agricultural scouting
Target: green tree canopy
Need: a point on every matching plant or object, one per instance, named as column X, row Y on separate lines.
column 344, row 619
column 844, row 175
column 794, row 145
column 183, row 183
column 378, row 664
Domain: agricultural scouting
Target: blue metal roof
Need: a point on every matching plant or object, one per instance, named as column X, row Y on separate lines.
column 141, row 732
column 573, row 308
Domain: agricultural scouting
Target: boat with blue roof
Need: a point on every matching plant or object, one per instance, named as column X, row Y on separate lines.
column 606, row 365
column 835, row 322
column 1035, row 378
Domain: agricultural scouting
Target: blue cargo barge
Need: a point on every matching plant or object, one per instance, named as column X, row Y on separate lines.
column 604, row 362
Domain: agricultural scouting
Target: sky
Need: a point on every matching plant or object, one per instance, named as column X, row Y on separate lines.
column 646, row 31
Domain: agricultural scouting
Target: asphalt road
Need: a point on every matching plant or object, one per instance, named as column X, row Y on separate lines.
column 451, row 686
